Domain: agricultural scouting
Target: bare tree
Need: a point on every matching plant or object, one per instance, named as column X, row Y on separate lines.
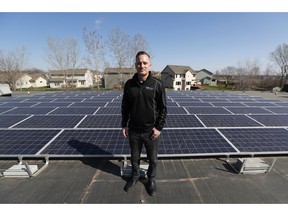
column 95, row 57
column 280, row 57
column 229, row 72
column 11, row 64
column 138, row 43
column 63, row 54
column 119, row 44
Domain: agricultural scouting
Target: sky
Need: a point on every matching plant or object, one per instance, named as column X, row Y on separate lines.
column 207, row 39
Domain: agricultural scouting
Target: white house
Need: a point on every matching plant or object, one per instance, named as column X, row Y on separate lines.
column 178, row 77
column 31, row 80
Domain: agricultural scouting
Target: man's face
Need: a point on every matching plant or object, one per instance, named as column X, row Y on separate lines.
column 143, row 65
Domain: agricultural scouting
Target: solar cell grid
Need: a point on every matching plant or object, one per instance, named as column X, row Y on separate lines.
column 30, row 110
column 88, row 104
column 176, row 110
column 260, row 140
column 49, row 121
column 7, row 121
column 89, row 142
column 73, row 111
column 109, row 110
column 207, row 110
column 53, row 104
column 227, row 121
column 101, row 121
column 278, row 110
column 248, row 110
column 24, row 142
column 182, row 121
column 196, row 141
column 272, row 120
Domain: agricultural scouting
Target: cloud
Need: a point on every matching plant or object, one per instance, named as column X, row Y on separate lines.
column 98, row 23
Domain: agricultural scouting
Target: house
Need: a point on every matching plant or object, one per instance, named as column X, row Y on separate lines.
column 116, row 77
column 77, row 78
column 178, row 77
column 204, row 77
column 35, row 80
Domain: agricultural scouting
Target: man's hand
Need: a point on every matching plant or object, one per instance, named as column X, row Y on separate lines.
column 156, row 133
column 125, row 132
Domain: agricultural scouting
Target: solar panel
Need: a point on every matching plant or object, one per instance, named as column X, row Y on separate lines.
column 228, row 104
column 182, row 121
column 88, row 142
column 30, row 110
column 4, row 109
column 73, row 111
column 18, row 104
column 248, row 110
column 101, row 121
column 88, row 104
column 7, row 121
column 109, row 110
column 260, row 104
column 176, row 110
column 24, row 142
column 272, row 120
column 193, row 142
column 53, row 104
column 227, row 121
column 258, row 140
column 207, row 110
column 278, row 110
column 49, row 121
column 195, row 104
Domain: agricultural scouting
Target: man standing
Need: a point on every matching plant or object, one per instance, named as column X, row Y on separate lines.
column 143, row 112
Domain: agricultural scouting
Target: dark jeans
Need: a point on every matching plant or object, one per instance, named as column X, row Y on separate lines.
column 136, row 141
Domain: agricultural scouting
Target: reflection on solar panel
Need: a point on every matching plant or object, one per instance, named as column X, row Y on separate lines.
column 272, row 120
column 207, row 110
column 101, row 121
column 175, row 121
column 24, row 142
column 193, row 141
column 247, row 110
column 227, row 121
column 262, row 140
column 50, row 122
column 89, row 142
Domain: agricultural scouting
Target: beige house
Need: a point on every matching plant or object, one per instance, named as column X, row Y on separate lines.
column 76, row 78
column 178, row 77
column 116, row 77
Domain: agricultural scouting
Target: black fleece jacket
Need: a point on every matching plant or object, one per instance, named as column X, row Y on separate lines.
column 144, row 104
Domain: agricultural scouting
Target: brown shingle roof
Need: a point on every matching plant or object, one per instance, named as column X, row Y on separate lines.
column 119, row 70
column 179, row 69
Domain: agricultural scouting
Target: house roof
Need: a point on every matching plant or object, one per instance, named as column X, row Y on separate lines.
column 69, row 71
column 119, row 70
column 179, row 69
column 205, row 71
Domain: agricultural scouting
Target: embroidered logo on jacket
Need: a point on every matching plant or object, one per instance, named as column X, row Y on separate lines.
column 149, row 88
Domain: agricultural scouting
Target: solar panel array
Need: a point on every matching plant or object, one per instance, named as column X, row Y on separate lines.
column 88, row 124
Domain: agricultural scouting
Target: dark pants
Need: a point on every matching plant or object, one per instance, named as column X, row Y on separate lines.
column 136, row 141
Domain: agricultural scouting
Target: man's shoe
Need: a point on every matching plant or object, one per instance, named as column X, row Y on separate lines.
column 130, row 184
column 152, row 187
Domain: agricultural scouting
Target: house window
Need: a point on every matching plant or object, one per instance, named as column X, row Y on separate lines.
column 82, row 82
column 188, row 83
column 182, row 75
column 178, row 83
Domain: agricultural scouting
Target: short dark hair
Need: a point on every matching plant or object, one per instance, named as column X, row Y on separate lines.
column 142, row 53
